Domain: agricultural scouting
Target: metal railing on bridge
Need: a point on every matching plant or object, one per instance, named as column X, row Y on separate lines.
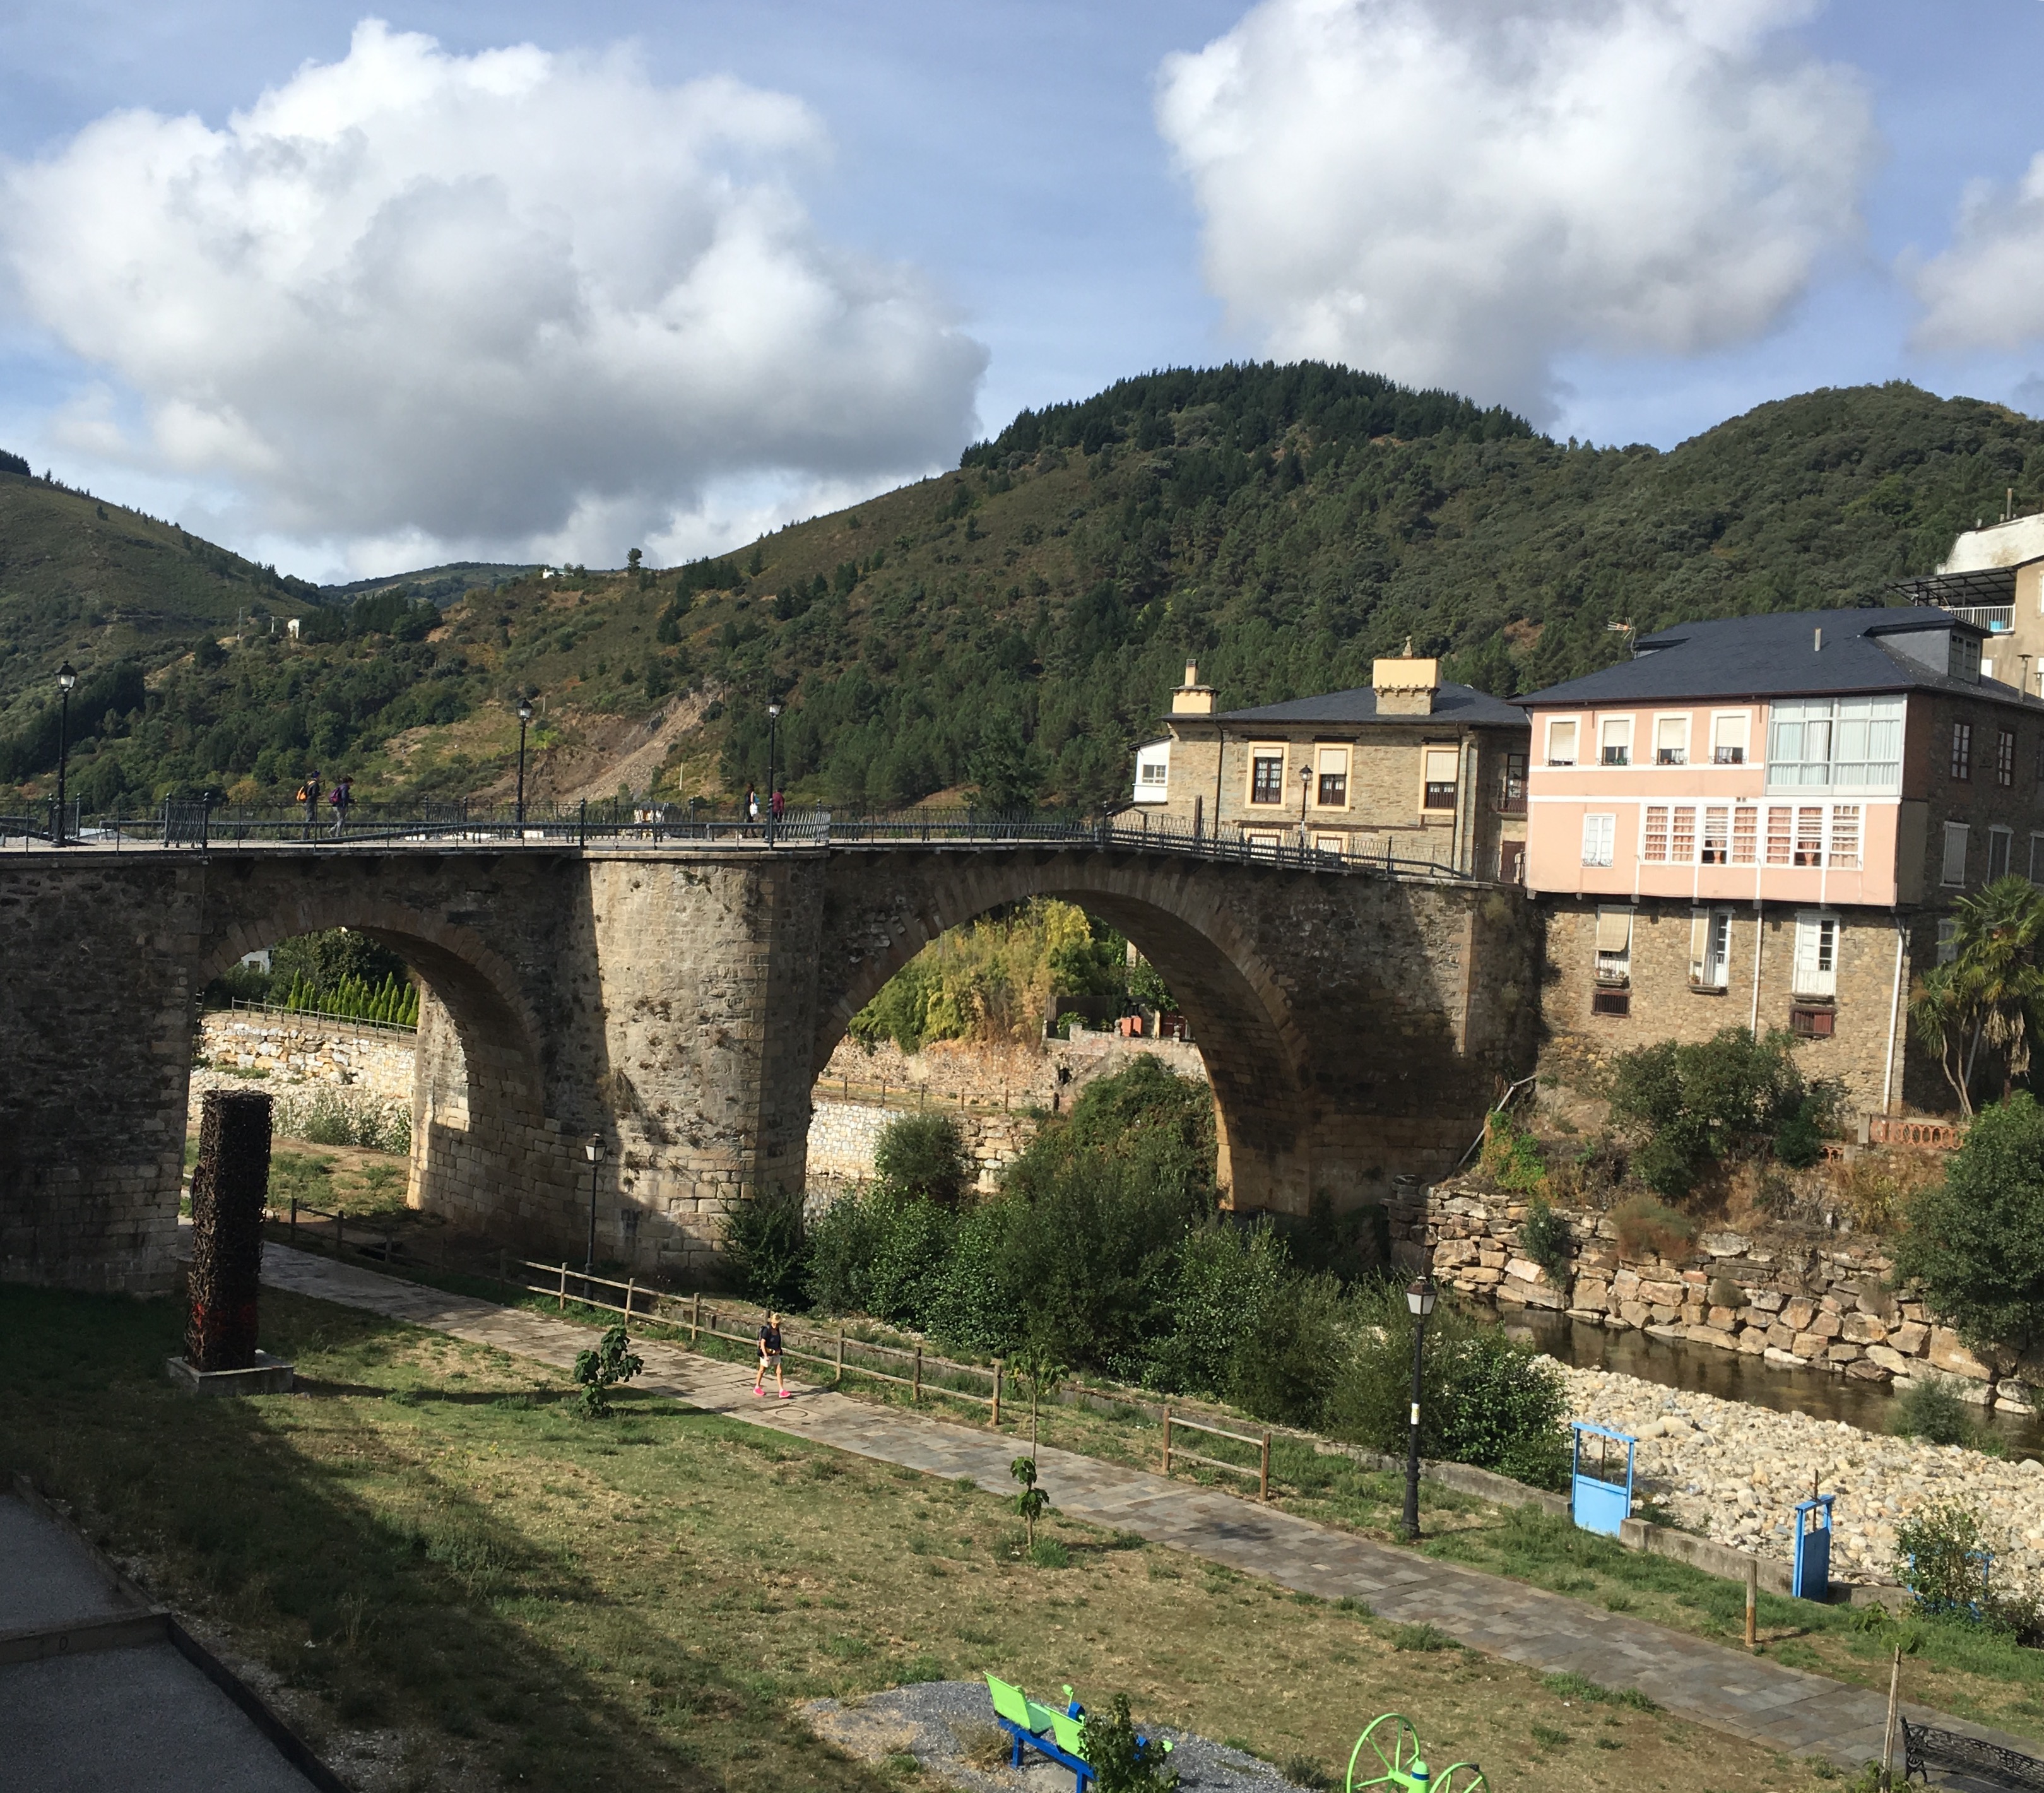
column 179, row 823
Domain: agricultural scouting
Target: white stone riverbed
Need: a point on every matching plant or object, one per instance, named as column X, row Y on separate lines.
column 1733, row 1472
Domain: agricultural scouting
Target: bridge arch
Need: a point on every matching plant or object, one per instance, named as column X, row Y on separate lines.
column 1242, row 1015
column 478, row 1094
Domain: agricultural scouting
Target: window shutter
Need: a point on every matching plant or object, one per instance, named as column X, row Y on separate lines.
column 1443, row 765
column 1699, row 945
column 1561, row 744
column 1614, row 932
column 1954, row 870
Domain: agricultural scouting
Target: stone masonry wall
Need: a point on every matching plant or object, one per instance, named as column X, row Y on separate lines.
column 1046, row 1075
column 1792, row 1300
column 844, row 1135
column 374, row 1061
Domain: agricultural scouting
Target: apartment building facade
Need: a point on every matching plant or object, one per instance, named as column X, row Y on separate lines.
column 1994, row 579
column 1761, row 820
column 1408, row 767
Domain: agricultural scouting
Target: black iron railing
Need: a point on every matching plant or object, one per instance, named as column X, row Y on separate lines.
column 180, row 824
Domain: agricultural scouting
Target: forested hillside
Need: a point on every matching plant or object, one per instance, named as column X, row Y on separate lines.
column 1016, row 624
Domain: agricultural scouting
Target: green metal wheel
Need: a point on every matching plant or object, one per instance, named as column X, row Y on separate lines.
column 1461, row 1777
column 1390, row 1745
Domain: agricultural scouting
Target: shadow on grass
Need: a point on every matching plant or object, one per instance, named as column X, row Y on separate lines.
column 423, row 1611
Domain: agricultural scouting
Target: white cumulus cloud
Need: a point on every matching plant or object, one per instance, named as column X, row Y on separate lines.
column 1455, row 192
column 1986, row 291
column 511, row 300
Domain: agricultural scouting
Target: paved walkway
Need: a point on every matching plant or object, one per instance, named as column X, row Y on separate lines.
column 1750, row 1697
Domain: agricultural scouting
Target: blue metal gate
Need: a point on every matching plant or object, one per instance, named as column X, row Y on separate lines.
column 1812, row 1580
column 1598, row 1501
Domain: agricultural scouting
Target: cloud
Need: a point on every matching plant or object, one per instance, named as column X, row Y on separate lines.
column 1987, row 290
column 1454, row 192
column 483, row 302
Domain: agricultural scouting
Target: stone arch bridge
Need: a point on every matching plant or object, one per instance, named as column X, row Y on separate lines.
column 680, row 1001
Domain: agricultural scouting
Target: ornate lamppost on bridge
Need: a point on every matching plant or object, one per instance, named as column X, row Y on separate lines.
column 1420, row 1300
column 66, row 678
column 594, row 1151
column 773, row 741
column 1305, row 790
column 524, row 716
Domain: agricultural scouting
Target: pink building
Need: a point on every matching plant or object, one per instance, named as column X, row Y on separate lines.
column 1775, row 808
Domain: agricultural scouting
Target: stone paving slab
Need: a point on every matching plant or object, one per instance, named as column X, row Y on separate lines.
column 1749, row 1697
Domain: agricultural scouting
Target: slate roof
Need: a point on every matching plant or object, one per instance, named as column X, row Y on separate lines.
column 1458, row 704
column 1776, row 656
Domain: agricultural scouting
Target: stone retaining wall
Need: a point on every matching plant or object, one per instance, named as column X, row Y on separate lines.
column 844, row 1136
column 308, row 1048
column 1032, row 1075
column 1791, row 1299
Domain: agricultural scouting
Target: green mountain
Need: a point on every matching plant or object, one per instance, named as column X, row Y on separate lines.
column 1016, row 624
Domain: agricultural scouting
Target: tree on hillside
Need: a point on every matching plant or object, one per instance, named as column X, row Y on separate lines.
column 1985, row 1000
column 1975, row 1241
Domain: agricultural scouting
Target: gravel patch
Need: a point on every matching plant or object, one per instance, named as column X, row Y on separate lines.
column 940, row 1723
column 1733, row 1472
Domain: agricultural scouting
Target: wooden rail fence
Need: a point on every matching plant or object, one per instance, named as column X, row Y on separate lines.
column 1262, row 1446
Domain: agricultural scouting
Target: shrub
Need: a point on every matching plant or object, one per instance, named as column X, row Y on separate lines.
column 1511, row 1159
column 1283, row 1368
column 1647, row 1228
column 1976, row 1242
column 1931, row 1410
column 924, row 1155
column 1732, row 1096
column 1941, row 1556
column 1119, row 1764
column 1544, row 1237
column 764, row 1238
column 596, row 1372
column 1228, row 1278
column 326, row 1116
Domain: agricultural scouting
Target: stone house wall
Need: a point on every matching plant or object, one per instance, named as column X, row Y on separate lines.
column 1792, row 1300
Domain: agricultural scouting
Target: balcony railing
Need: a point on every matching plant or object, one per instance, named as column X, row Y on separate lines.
column 1996, row 619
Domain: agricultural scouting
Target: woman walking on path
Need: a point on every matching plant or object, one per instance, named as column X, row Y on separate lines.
column 770, row 1353
column 344, row 795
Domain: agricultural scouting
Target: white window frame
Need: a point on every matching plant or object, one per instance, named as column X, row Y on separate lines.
column 1815, row 930
column 1954, row 861
column 1709, row 948
column 1948, row 939
column 1600, row 838
column 1574, row 725
column 1156, row 759
column 1607, row 726
column 1678, row 721
column 1731, row 721
column 1860, row 736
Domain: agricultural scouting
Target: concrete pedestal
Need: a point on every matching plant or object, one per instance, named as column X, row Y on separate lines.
column 270, row 1376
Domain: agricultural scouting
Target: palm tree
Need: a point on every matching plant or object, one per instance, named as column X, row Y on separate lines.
column 1987, row 995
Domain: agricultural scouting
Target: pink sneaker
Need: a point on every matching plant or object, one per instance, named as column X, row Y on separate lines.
column 787, row 1393
column 760, row 1391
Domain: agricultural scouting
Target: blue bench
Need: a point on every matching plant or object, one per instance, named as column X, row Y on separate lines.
column 1058, row 1737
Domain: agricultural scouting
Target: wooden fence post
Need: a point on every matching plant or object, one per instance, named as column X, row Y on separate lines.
column 996, row 1394
column 503, row 1265
column 628, row 1282
column 1263, row 1480
column 695, row 1314
column 918, row 1394
column 1167, row 1440
column 838, row 1382
column 561, row 1299
column 294, row 1220
column 339, row 1232
column 1752, row 1602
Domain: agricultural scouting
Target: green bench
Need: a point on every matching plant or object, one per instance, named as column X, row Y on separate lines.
column 1059, row 1737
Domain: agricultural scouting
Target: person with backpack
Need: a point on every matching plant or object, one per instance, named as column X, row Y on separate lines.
column 770, row 1358
column 751, row 803
column 342, row 795
column 310, row 794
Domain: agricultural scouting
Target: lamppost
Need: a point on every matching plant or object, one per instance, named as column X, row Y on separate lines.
column 66, row 678
column 594, row 1151
column 524, row 716
column 1305, row 790
column 773, row 742
column 1419, row 1298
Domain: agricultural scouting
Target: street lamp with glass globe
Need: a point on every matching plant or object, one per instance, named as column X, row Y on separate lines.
column 1420, row 1300
column 524, row 716
column 66, row 678
column 773, row 743
column 593, row 1151
column 1305, row 790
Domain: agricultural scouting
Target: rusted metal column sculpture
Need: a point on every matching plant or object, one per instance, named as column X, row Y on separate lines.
column 229, row 1186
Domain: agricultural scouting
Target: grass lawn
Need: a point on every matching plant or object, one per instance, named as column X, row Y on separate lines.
column 445, row 1576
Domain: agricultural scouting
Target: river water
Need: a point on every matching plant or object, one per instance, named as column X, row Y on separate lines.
column 1731, row 1375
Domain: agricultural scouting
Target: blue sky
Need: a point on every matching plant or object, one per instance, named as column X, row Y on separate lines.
column 995, row 204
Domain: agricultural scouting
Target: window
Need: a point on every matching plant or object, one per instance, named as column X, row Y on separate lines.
column 1855, row 742
column 1614, row 946
column 1598, row 833
column 1948, row 939
column 1779, row 822
column 1511, row 784
column 1331, row 843
column 1954, row 871
column 1266, row 774
column 1709, row 948
column 1682, row 835
column 1809, row 836
column 1333, row 765
column 1153, row 771
column 1728, row 739
column 1845, row 837
column 1816, row 968
column 1811, row 1023
column 1654, row 847
column 2000, row 843
column 1717, row 826
column 2037, row 859
column 1671, row 740
column 1962, row 750
column 1561, row 745
column 1444, row 764
column 2004, row 758
column 1616, row 739
column 1963, row 659
column 1745, row 831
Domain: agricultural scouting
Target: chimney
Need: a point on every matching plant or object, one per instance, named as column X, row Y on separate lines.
column 1193, row 698
column 1405, row 687
column 1820, row 647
